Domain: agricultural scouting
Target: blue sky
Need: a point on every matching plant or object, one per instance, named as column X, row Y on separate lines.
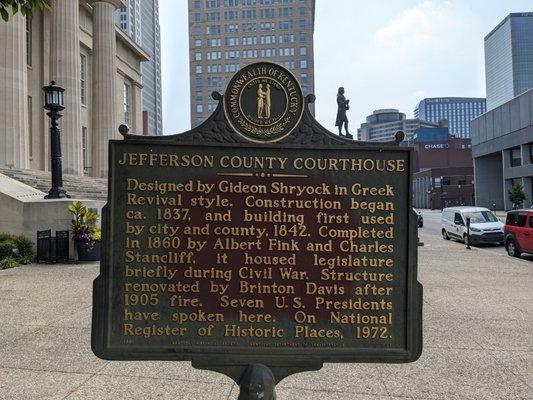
column 386, row 53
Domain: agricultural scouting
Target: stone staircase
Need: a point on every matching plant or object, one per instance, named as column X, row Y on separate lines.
column 78, row 187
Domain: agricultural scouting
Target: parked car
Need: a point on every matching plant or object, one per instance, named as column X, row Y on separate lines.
column 420, row 219
column 519, row 232
column 485, row 227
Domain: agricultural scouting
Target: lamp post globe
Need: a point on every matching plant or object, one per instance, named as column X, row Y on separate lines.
column 53, row 102
column 53, row 97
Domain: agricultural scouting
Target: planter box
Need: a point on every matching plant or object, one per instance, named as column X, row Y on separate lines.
column 86, row 251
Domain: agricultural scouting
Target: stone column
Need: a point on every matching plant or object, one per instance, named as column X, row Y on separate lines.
column 104, row 110
column 14, row 134
column 65, row 70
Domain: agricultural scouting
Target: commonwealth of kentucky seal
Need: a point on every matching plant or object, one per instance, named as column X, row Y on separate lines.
column 263, row 102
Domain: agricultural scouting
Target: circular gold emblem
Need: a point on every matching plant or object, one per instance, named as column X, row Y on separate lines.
column 263, row 102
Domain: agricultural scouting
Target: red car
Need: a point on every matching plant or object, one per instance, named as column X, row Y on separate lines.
column 519, row 232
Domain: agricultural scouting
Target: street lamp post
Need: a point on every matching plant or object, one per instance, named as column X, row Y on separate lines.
column 468, row 233
column 53, row 102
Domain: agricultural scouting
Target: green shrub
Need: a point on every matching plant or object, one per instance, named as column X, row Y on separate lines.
column 8, row 262
column 8, row 248
column 15, row 249
column 5, row 236
column 26, row 259
column 24, row 245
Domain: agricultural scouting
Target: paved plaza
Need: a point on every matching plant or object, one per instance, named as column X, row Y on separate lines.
column 477, row 340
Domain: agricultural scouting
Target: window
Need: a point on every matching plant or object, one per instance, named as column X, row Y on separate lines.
column 521, row 220
column 199, row 108
column 127, row 103
column 248, row 27
column 83, row 78
column 28, row 42
column 212, row 3
column 198, row 95
column 515, row 157
column 30, row 125
column 285, row 12
column 303, row 51
column 231, row 41
column 530, row 153
column 249, row 14
column 230, row 28
column 198, row 43
column 232, row 67
column 231, row 3
column 198, row 69
column 197, row 17
column 303, row 77
column 286, row 38
column 212, row 30
column 266, row 13
column 216, row 42
column 212, row 16
column 197, row 4
column 303, row 64
column 85, row 150
column 288, row 64
column 231, row 15
column 198, row 56
column 285, row 25
column 446, row 181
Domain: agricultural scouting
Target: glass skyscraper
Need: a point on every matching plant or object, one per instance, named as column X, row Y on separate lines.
column 140, row 21
column 509, row 59
column 459, row 111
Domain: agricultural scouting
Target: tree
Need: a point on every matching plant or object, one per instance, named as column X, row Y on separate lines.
column 516, row 194
column 25, row 7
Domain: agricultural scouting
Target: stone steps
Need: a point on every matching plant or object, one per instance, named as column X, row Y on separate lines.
column 80, row 187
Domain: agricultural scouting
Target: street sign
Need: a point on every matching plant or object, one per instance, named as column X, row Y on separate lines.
column 258, row 238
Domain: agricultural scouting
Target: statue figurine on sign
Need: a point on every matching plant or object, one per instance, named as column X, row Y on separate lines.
column 343, row 105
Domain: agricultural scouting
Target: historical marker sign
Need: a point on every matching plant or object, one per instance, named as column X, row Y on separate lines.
column 258, row 237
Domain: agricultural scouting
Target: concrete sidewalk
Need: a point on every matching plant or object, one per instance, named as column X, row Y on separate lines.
column 477, row 344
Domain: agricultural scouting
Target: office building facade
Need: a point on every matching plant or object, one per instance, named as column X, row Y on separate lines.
column 140, row 20
column 502, row 147
column 443, row 174
column 226, row 35
column 129, row 19
column 459, row 111
column 383, row 124
column 509, row 59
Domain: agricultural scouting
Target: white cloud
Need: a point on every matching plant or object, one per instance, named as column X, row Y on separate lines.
column 436, row 29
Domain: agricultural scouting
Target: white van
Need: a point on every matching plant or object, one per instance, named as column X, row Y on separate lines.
column 485, row 227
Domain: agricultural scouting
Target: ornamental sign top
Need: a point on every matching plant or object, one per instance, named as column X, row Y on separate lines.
column 264, row 102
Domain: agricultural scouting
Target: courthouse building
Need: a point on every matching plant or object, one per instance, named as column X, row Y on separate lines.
column 78, row 45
